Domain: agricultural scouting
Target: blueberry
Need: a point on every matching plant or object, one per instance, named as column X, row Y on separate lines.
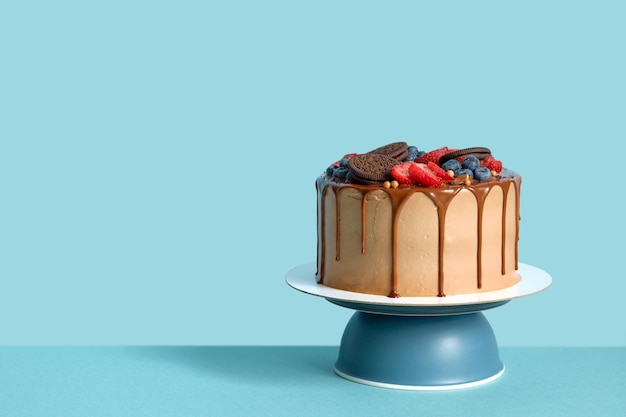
column 413, row 154
column 452, row 165
column 482, row 173
column 330, row 170
column 470, row 162
column 464, row 172
column 343, row 163
column 341, row 173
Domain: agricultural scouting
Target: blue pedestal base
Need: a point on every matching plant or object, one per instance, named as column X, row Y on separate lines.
column 419, row 352
column 430, row 343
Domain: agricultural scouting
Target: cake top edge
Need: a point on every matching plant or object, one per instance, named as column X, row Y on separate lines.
column 398, row 164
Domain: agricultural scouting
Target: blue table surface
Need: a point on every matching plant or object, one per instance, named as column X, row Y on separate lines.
column 291, row 381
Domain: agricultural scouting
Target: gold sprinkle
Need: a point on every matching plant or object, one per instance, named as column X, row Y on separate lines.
column 387, row 184
column 395, row 184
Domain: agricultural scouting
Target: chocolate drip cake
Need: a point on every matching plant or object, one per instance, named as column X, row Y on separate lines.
column 400, row 222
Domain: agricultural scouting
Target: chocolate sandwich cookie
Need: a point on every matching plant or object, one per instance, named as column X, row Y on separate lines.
column 478, row 152
column 371, row 168
column 395, row 150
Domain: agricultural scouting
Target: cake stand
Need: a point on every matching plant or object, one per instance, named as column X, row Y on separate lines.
column 419, row 343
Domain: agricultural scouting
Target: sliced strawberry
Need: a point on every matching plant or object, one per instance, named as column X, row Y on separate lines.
column 432, row 156
column 401, row 174
column 422, row 175
column 492, row 163
column 440, row 172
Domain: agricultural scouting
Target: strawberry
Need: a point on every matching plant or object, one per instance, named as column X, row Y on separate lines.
column 440, row 172
column 421, row 174
column 432, row 156
column 492, row 163
column 400, row 173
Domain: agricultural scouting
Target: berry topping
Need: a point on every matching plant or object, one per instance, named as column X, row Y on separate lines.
column 452, row 165
column 433, row 156
column 401, row 174
column 470, row 162
column 440, row 172
column 413, row 154
column 467, row 172
column 346, row 156
column 341, row 173
column 422, row 175
column 398, row 164
column 343, row 162
column 492, row 163
column 482, row 173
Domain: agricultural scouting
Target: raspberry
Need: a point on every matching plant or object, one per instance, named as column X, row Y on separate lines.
column 421, row 174
column 401, row 174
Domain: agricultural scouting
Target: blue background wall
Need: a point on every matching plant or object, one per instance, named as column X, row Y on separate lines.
column 158, row 158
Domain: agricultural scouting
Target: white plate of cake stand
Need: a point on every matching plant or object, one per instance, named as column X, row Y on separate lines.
column 419, row 343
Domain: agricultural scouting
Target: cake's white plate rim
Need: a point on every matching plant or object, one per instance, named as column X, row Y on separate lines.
column 533, row 280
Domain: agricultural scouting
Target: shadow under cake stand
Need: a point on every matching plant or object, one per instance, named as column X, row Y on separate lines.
column 419, row 343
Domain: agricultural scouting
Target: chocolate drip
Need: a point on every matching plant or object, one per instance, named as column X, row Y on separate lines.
column 481, row 196
column 363, row 221
column 442, row 201
column 398, row 199
column 337, row 231
column 479, row 249
column 505, row 196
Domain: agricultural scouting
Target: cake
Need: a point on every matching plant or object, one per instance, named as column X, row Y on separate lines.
column 399, row 222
